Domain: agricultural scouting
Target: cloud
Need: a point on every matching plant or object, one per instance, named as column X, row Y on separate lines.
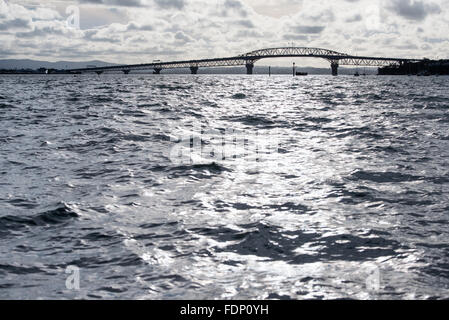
column 355, row 18
column 132, row 26
column 164, row 4
column 170, row 4
column 276, row 8
column 16, row 23
column 292, row 36
column 309, row 29
column 124, row 3
column 137, row 31
column 414, row 10
column 182, row 37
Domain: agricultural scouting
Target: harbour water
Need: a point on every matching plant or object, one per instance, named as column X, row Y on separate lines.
column 352, row 201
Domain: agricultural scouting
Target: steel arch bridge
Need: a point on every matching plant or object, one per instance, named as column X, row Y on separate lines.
column 248, row 59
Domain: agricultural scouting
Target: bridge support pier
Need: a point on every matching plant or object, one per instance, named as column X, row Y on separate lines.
column 194, row 70
column 126, row 71
column 157, row 71
column 249, row 68
column 334, row 67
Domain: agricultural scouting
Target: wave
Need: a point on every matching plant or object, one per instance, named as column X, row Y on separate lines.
column 384, row 177
column 239, row 96
column 19, row 270
column 199, row 171
column 101, row 99
column 173, row 87
column 318, row 120
column 161, row 137
column 6, row 106
column 259, row 239
column 60, row 215
column 252, row 120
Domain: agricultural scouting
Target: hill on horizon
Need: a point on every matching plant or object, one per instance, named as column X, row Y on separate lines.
column 36, row 64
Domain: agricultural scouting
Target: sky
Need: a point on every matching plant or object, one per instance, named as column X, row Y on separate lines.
column 139, row 31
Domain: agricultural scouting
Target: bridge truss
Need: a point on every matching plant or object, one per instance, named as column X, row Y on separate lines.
column 248, row 59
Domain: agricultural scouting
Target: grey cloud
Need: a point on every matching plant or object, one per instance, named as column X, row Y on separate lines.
column 249, row 34
column 124, row 3
column 435, row 40
column 14, row 24
column 164, row 4
column 92, row 35
column 245, row 23
column 355, row 18
column 169, row 4
column 295, row 37
column 414, row 10
column 309, row 29
column 406, row 47
column 6, row 52
column 234, row 6
column 132, row 26
column 182, row 37
column 40, row 32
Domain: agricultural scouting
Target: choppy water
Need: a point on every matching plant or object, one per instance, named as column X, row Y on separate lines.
column 354, row 203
